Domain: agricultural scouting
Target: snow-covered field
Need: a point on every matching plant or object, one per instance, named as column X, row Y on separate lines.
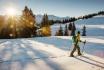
column 50, row 53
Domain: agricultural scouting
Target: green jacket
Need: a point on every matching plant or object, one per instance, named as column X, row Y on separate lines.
column 75, row 40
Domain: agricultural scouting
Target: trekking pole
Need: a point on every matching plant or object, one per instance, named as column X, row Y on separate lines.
column 83, row 46
column 68, row 52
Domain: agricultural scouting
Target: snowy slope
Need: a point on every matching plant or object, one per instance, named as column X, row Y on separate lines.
column 91, row 30
column 99, row 20
column 46, row 53
column 94, row 26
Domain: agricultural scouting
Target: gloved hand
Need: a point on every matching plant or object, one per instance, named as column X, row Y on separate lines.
column 84, row 42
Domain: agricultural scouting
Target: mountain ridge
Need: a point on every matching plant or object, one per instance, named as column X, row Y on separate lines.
column 51, row 17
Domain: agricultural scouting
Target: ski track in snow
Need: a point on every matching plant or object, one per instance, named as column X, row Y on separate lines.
column 44, row 54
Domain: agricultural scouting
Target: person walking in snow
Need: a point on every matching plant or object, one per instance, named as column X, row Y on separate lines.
column 76, row 41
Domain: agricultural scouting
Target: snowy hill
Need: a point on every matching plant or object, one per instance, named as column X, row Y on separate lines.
column 94, row 26
column 49, row 53
column 99, row 20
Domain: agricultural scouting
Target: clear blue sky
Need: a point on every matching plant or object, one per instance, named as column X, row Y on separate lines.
column 55, row 7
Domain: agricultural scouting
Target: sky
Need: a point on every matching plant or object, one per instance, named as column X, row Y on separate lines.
column 62, row 8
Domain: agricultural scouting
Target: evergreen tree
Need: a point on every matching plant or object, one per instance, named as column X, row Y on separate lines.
column 70, row 29
column 60, row 31
column 45, row 26
column 84, row 31
column 73, row 29
column 56, row 34
column 66, row 31
column 45, row 21
column 28, row 23
column 70, row 26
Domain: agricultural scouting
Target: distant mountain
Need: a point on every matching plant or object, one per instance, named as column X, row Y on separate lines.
column 51, row 17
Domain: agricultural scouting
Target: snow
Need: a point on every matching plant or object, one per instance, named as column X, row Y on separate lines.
column 90, row 29
column 92, row 21
column 93, row 25
column 94, row 45
column 47, row 53
column 88, row 39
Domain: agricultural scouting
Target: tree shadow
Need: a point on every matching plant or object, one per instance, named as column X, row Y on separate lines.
column 9, row 63
column 93, row 60
column 5, row 64
column 43, row 55
column 25, row 58
column 64, row 44
column 89, row 62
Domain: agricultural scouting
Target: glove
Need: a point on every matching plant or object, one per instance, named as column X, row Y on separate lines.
column 84, row 42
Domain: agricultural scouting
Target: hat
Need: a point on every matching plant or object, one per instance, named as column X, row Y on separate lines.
column 78, row 32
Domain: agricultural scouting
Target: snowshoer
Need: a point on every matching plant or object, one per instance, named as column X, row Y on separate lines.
column 76, row 41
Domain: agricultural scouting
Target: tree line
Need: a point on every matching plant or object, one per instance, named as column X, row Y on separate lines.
column 73, row 19
column 69, row 30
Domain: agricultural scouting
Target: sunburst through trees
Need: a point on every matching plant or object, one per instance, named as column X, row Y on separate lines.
column 12, row 26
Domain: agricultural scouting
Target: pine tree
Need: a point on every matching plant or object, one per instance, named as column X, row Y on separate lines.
column 56, row 34
column 45, row 26
column 45, row 21
column 70, row 29
column 60, row 31
column 28, row 23
column 70, row 26
column 84, row 31
column 73, row 29
column 66, row 31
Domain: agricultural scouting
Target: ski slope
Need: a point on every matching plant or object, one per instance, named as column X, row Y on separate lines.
column 46, row 53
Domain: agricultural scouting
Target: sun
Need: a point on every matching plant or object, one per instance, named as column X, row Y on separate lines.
column 11, row 11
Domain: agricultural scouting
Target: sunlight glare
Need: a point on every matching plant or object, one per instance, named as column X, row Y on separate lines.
column 11, row 11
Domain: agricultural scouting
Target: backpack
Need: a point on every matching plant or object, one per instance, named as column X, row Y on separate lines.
column 74, row 39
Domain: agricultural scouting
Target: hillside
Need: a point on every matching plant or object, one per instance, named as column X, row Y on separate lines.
column 99, row 20
column 93, row 25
